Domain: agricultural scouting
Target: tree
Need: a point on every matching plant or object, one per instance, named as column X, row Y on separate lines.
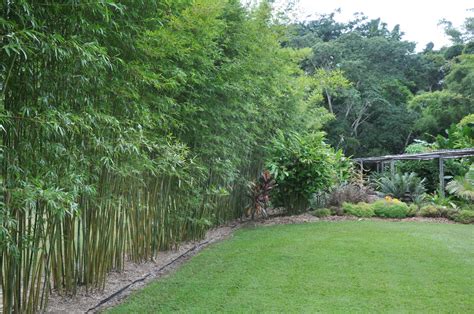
column 330, row 83
column 375, row 61
column 436, row 112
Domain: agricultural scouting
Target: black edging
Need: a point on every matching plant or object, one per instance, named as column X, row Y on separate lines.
column 116, row 293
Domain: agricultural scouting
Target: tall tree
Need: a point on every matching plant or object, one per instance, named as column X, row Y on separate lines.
column 371, row 114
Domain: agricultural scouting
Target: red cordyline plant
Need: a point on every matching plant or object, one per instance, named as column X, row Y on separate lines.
column 259, row 194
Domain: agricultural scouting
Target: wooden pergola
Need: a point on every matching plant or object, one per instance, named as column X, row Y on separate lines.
column 441, row 155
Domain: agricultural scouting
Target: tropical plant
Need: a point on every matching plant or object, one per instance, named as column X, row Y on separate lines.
column 301, row 165
column 463, row 187
column 259, row 194
column 438, row 199
column 459, row 135
column 406, row 186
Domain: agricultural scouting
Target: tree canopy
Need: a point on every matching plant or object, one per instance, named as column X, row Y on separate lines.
column 394, row 94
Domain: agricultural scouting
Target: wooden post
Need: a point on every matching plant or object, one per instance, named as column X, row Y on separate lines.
column 441, row 177
column 378, row 167
column 361, row 171
column 392, row 167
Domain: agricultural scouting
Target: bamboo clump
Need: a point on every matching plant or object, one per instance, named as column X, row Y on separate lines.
column 126, row 128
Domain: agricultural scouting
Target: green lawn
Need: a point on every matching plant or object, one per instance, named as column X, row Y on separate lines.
column 351, row 266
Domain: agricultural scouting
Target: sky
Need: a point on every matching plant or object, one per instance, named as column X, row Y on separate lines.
column 418, row 19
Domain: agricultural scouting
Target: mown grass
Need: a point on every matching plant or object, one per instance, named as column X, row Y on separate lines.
column 352, row 266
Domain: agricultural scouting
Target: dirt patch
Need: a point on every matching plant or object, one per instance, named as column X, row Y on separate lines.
column 339, row 218
column 135, row 276
column 420, row 219
column 282, row 220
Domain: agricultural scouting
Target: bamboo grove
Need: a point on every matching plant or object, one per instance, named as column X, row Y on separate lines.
column 128, row 127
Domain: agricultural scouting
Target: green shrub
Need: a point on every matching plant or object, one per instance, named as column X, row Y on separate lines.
column 436, row 211
column 302, row 165
column 427, row 169
column 321, row 212
column 469, row 206
column 429, row 211
column 412, row 210
column 359, row 209
column 391, row 208
column 465, row 217
column 337, row 211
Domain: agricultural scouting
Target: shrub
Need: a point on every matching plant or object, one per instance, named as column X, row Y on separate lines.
column 390, row 208
column 406, row 186
column 437, row 199
column 469, row 206
column 359, row 209
column 429, row 211
column 436, row 211
column 337, row 211
column 412, row 210
column 301, row 165
column 465, row 217
column 321, row 212
column 348, row 193
column 319, row 200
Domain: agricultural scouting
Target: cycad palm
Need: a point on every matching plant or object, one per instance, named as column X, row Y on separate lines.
column 406, row 186
column 463, row 187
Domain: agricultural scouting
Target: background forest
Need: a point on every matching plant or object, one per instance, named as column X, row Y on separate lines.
column 382, row 94
column 130, row 126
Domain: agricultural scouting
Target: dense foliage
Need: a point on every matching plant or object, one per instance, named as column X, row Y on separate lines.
column 458, row 136
column 382, row 93
column 390, row 208
column 384, row 208
column 303, row 165
column 463, row 187
column 348, row 192
column 403, row 186
column 130, row 126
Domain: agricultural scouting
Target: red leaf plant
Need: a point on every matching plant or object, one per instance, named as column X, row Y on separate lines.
column 259, row 194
